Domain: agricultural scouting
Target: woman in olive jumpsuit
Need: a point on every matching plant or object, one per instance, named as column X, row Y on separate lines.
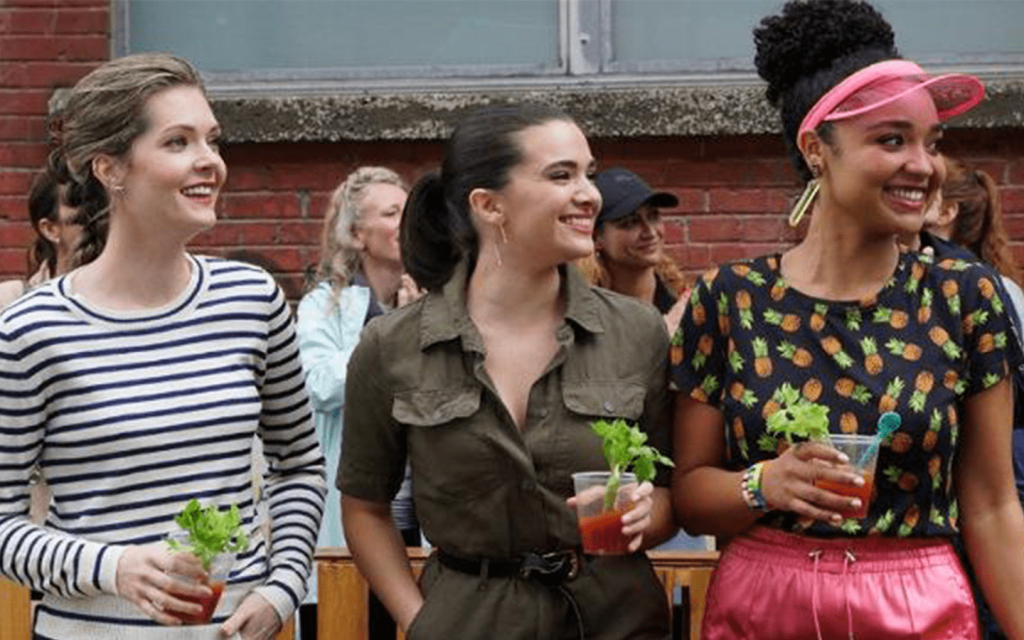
column 488, row 386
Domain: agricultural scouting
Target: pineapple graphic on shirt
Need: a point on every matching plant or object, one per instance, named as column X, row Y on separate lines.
column 924, row 312
column 905, row 480
column 848, row 388
column 706, row 390
column 676, row 347
column 940, row 338
column 973, row 320
column 762, row 361
column 914, row 281
column 778, row 290
column 951, row 291
column 883, row 523
column 743, row 302
column 895, row 318
column 890, row 399
column 724, row 321
column 853, row 319
column 788, row 322
column 906, row 350
column 833, row 347
column 797, row 355
column 742, row 395
column 872, row 361
column 931, row 437
column 924, row 381
column 817, row 321
column 910, row 520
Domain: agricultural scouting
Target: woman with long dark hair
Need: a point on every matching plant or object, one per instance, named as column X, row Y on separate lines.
column 52, row 210
column 488, row 385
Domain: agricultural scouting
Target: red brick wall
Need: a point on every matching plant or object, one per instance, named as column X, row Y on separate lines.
column 44, row 45
column 733, row 191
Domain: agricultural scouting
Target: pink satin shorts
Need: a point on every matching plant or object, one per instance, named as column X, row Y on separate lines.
column 779, row 586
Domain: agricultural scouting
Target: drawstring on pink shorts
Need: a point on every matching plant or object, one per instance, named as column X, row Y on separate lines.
column 930, row 599
column 848, row 558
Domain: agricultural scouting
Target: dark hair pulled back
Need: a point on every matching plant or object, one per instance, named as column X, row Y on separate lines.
column 43, row 203
column 810, row 47
column 104, row 114
column 437, row 230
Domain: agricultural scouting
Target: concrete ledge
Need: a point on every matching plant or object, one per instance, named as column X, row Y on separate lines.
column 617, row 112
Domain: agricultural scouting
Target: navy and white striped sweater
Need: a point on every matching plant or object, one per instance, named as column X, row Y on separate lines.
column 130, row 415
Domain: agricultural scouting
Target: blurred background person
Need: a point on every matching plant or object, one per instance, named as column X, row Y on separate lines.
column 629, row 245
column 969, row 213
column 52, row 211
column 360, row 277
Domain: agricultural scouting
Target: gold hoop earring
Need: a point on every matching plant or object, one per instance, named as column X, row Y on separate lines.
column 806, row 198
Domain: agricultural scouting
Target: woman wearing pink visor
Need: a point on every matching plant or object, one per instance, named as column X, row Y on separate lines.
column 786, row 353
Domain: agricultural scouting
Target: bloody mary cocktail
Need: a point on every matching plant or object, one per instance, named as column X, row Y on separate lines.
column 208, row 603
column 602, row 534
column 599, row 511
column 852, row 491
column 862, row 451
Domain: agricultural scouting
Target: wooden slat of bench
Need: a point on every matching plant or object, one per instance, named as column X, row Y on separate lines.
column 343, row 594
column 15, row 611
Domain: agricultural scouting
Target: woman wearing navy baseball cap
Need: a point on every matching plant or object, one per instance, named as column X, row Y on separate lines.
column 629, row 244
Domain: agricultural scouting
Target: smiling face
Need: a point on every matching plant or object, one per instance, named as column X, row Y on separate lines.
column 376, row 232
column 883, row 168
column 173, row 172
column 550, row 200
column 634, row 241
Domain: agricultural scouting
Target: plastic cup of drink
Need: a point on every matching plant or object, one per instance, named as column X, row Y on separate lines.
column 855, row 446
column 216, row 579
column 600, row 520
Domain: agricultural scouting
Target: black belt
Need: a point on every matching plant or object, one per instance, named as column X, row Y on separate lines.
column 551, row 569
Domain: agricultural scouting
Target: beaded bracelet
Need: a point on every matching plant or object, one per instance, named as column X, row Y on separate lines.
column 750, row 487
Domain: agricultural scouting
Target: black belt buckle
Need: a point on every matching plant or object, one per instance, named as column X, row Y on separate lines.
column 551, row 568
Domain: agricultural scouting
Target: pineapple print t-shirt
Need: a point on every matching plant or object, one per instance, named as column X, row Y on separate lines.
column 935, row 334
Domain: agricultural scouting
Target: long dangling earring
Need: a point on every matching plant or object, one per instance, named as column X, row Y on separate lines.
column 504, row 240
column 806, row 198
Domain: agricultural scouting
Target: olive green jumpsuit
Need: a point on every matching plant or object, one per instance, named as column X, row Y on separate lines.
column 483, row 488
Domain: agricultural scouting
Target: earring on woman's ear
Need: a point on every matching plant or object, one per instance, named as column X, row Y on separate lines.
column 806, row 198
column 497, row 245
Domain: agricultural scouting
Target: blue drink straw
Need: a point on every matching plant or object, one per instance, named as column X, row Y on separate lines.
column 888, row 422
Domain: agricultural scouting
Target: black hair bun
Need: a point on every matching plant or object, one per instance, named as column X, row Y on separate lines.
column 811, row 35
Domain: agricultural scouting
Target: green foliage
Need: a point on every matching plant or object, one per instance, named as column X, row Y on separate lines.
column 797, row 417
column 624, row 448
column 210, row 531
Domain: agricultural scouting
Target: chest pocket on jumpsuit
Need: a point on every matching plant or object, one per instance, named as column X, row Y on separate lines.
column 608, row 400
column 452, row 444
column 588, row 401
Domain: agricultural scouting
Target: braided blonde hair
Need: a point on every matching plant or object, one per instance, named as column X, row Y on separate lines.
column 339, row 258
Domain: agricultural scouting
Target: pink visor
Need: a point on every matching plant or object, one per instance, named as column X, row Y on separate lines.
column 886, row 82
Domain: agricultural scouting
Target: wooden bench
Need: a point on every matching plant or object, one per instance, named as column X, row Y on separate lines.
column 343, row 595
column 16, row 614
